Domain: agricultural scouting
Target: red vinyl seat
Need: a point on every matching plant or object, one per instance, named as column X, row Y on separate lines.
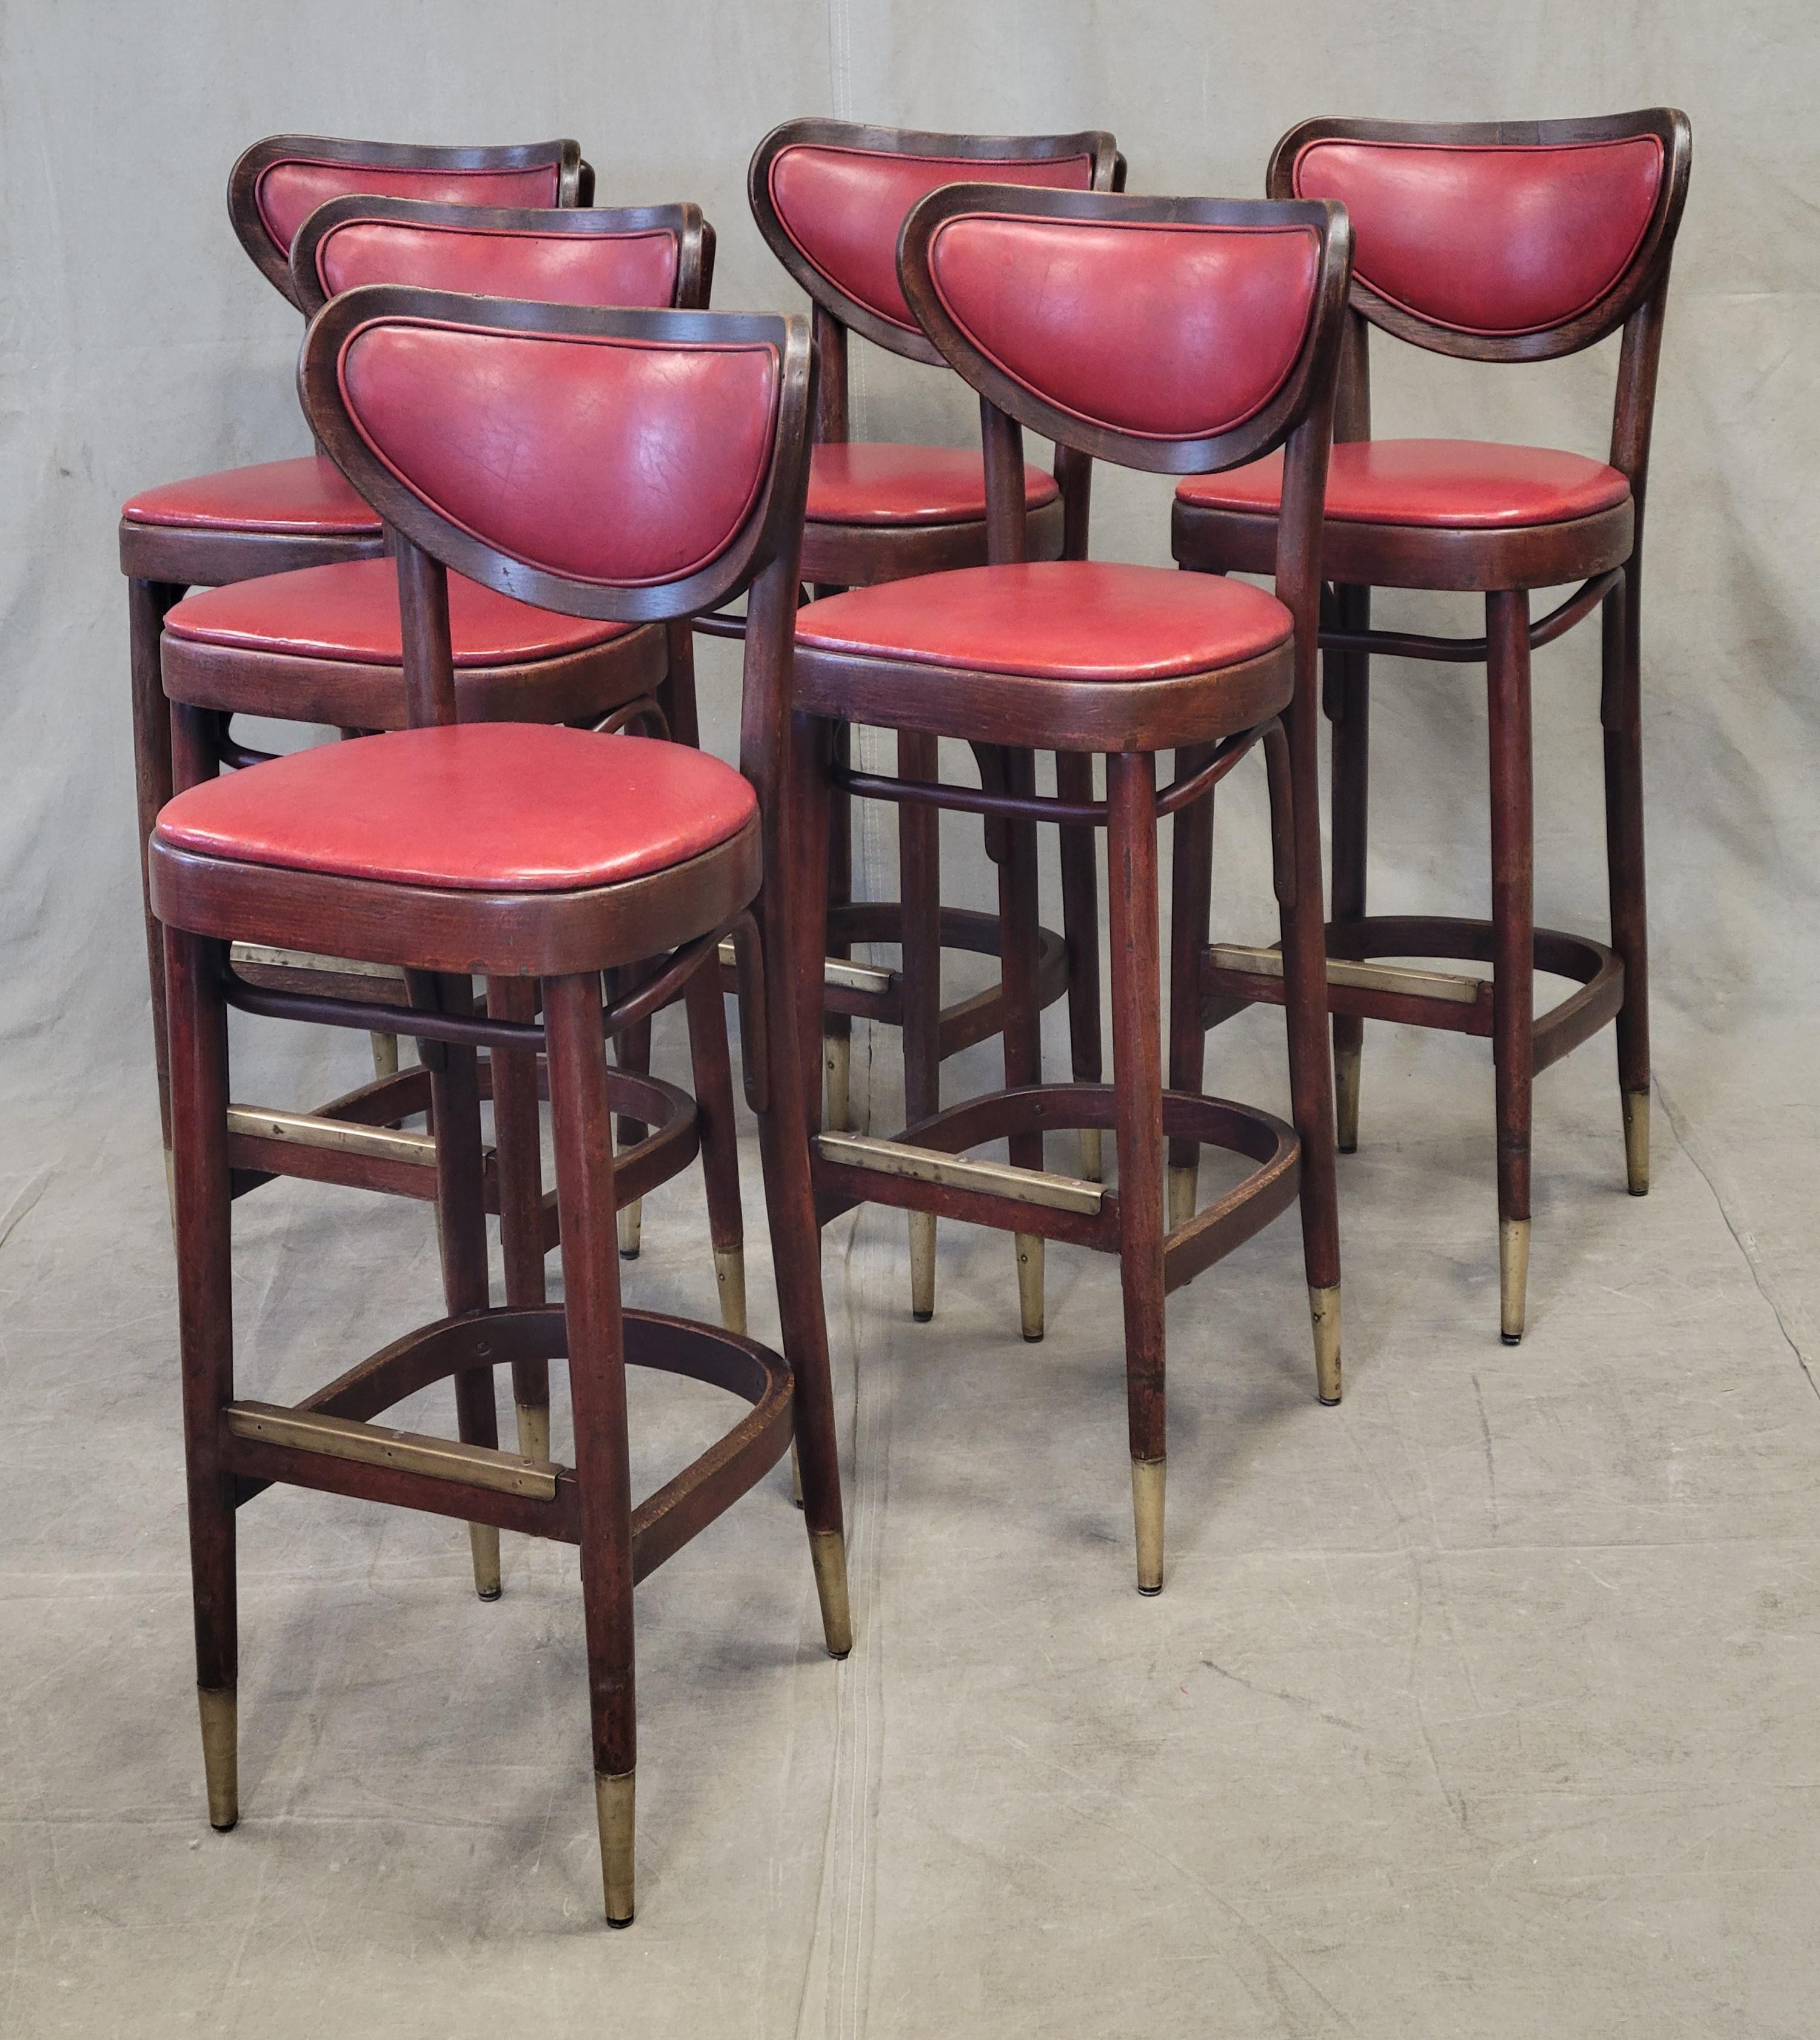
column 350, row 611
column 1054, row 619
column 541, row 808
column 293, row 498
column 1460, row 485
column 874, row 484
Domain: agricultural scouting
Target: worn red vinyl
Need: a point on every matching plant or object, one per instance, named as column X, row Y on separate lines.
column 1462, row 483
column 1169, row 331
column 861, row 483
column 289, row 191
column 294, row 498
column 349, row 612
column 541, row 808
column 496, row 262
column 508, row 435
column 1488, row 239
column 844, row 208
column 1054, row 619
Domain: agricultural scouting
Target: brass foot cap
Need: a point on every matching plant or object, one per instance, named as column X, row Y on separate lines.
column 828, row 1554
column 1324, row 1314
column 631, row 1221
column 1636, row 1142
column 1513, row 1277
column 615, row 1806
column 1148, row 1478
column 534, row 1432
column 730, row 1279
column 1029, row 1246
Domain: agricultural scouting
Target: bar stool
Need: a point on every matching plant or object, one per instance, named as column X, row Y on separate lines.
column 1173, row 336
column 324, row 646
column 518, row 851
column 280, row 515
column 830, row 197
column 1502, row 242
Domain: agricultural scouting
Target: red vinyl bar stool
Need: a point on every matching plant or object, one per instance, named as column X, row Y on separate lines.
column 278, row 515
column 830, row 198
column 1505, row 241
column 658, row 466
column 324, row 644
column 1173, row 336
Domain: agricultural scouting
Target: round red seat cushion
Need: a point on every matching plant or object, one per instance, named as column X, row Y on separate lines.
column 307, row 498
column 1054, row 619
column 866, row 483
column 1458, row 484
column 350, row 611
column 499, row 807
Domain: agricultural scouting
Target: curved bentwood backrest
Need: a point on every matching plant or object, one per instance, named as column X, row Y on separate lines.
column 277, row 183
column 1510, row 241
column 633, row 465
column 659, row 256
column 831, row 198
column 1177, row 335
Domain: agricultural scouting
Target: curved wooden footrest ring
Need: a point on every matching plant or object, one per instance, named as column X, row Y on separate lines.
column 329, row 1441
column 1233, row 976
column 927, row 1169
column 871, row 991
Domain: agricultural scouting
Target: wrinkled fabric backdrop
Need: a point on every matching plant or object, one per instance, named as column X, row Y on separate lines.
column 138, row 345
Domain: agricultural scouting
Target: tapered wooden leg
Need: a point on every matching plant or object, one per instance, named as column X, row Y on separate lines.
column 462, row 1233
column 1023, row 1040
column 1191, row 892
column 1513, row 939
column 919, row 866
column 706, row 1010
column 147, row 603
column 837, row 1028
column 518, row 1147
column 1081, row 926
column 793, row 935
column 597, row 1390
column 198, row 1034
column 1138, row 1075
column 1295, row 833
column 1622, row 715
column 1348, row 690
column 633, row 1052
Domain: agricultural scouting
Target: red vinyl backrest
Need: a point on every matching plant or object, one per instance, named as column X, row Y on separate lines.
column 1164, row 330
column 843, row 208
column 291, row 189
column 635, row 268
column 618, row 461
column 1492, row 239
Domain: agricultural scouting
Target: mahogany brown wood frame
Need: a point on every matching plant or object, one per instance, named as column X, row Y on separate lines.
column 1505, row 241
column 829, row 198
column 1177, row 336
column 303, row 646
column 405, row 389
column 284, row 515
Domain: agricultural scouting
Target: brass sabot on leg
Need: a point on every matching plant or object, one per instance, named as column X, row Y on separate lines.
column 922, row 1266
column 483, row 1542
column 1513, row 1277
column 1147, row 1486
column 1029, row 1246
column 730, row 1279
column 1323, row 1312
column 615, row 1806
column 1636, row 1142
column 220, row 1711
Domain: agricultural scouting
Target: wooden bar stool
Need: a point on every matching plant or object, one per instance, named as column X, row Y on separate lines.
column 831, row 198
column 658, row 465
column 1506, row 241
column 324, row 646
column 1170, row 335
column 280, row 515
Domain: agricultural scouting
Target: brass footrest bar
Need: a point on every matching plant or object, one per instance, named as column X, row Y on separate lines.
column 1364, row 976
column 327, row 1442
column 306, row 1129
column 923, row 1170
column 407, row 1452
column 1232, row 977
column 837, row 973
column 930, row 1165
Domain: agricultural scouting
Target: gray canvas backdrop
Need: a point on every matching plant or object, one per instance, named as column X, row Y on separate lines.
column 137, row 344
